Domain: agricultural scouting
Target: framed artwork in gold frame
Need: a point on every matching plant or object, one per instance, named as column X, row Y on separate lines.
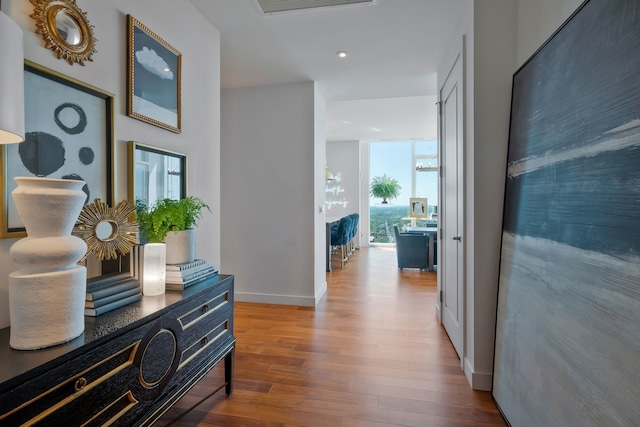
column 154, row 83
column 155, row 173
column 69, row 134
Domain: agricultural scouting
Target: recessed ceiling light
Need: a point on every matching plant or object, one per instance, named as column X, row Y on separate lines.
column 342, row 54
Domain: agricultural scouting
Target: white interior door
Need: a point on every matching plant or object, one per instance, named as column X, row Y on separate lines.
column 450, row 236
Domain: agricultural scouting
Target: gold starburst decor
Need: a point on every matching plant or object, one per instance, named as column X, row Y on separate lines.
column 107, row 231
column 65, row 29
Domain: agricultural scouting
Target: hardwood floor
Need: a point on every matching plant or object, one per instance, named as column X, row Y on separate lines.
column 372, row 353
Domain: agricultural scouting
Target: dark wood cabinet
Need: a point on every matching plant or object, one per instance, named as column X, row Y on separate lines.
column 128, row 367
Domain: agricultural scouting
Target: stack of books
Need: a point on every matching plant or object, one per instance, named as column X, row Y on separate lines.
column 110, row 291
column 180, row 276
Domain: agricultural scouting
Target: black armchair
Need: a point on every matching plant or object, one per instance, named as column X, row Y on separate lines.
column 412, row 249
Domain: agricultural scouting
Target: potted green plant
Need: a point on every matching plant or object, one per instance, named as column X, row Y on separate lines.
column 384, row 187
column 172, row 222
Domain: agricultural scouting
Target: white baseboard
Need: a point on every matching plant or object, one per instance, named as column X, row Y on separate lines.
column 321, row 292
column 275, row 299
column 281, row 299
column 478, row 380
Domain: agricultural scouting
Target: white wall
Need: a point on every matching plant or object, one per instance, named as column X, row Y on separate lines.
column 489, row 49
column 319, row 176
column 500, row 36
column 269, row 200
column 200, row 137
column 538, row 20
column 343, row 158
column 494, row 61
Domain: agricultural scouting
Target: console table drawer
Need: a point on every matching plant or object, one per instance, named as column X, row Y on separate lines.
column 109, row 402
column 71, row 387
column 206, row 324
column 210, row 335
column 209, row 304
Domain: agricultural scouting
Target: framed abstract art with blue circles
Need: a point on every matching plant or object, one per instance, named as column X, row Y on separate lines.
column 69, row 135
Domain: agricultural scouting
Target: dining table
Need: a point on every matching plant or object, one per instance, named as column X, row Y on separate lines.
column 433, row 235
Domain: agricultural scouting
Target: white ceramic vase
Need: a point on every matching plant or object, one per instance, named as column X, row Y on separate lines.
column 181, row 246
column 47, row 293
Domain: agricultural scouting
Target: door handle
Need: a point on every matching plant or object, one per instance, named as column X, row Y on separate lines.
column 457, row 238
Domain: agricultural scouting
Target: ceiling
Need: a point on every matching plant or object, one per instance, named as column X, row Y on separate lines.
column 384, row 90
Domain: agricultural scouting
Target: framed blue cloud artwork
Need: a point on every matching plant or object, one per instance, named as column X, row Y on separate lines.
column 69, row 135
column 154, row 89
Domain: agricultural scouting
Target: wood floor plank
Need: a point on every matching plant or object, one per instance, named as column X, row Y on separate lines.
column 474, row 400
column 350, row 422
column 453, row 411
column 362, row 399
column 360, row 372
column 372, row 353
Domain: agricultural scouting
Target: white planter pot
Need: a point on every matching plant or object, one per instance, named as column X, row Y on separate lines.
column 47, row 293
column 181, row 246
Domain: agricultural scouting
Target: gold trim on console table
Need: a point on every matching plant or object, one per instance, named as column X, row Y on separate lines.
column 204, row 342
column 203, row 311
column 177, row 394
column 88, row 386
column 129, row 401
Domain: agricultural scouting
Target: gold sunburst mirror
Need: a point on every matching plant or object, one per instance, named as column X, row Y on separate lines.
column 107, row 231
column 65, row 29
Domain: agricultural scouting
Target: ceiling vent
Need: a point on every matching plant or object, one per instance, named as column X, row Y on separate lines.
column 276, row 6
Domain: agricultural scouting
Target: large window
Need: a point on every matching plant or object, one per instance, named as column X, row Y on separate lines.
column 426, row 174
column 413, row 164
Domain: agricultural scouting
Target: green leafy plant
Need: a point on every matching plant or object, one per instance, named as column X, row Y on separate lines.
column 168, row 215
column 384, row 187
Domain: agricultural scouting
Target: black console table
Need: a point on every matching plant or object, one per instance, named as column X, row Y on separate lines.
column 128, row 367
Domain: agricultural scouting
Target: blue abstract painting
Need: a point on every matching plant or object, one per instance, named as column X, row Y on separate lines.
column 568, row 321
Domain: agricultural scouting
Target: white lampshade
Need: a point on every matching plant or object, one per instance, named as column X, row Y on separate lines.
column 11, row 82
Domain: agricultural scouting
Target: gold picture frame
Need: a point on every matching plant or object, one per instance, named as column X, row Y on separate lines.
column 418, row 207
column 154, row 92
column 152, row 168
column 69, row 134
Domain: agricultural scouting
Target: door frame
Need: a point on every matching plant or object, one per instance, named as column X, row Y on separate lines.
column 456, row 52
